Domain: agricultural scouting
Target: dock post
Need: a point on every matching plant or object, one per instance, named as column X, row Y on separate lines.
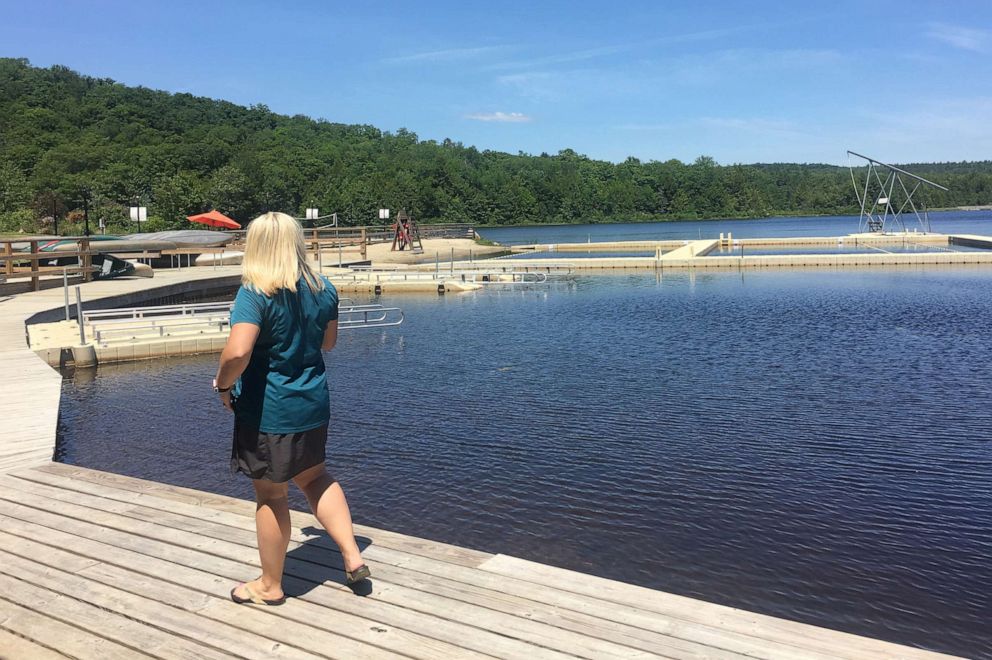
column 65, row 290
column 79, row 317
column 437, row 262
column 340, row 257
column 452, row 261
column 35, row 267
column 8, row 250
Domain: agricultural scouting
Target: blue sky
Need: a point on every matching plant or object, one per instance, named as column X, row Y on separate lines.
column 738, row 81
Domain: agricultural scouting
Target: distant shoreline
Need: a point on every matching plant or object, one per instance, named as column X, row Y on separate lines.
column 987, row 207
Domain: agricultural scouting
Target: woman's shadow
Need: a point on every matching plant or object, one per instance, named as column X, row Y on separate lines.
column 316, row 561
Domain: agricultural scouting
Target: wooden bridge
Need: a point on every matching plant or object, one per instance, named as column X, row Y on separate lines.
column 96, row 565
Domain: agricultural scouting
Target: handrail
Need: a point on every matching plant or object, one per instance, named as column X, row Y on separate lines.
column 380, row 321
column 187, row 309
column 111, row 330
column 100, row 334
column 463, row 275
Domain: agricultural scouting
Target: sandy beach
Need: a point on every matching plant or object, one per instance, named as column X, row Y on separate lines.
column 439, row 248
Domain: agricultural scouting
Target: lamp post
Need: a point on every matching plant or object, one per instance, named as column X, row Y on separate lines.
column 86, row 211
column 55, row 213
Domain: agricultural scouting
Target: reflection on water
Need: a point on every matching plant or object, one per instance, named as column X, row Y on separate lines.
column 812, row 445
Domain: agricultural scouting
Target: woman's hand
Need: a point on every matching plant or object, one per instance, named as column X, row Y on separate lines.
column 225, row 398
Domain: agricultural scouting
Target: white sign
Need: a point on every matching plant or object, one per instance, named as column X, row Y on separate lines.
column 384, row 214
column 139, row 213
column 313, row 214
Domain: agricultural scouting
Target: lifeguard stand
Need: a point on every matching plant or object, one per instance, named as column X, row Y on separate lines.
column 406, row 234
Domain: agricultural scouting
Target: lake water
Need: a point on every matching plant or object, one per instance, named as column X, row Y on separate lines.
column 962, row 222
column 813, row 445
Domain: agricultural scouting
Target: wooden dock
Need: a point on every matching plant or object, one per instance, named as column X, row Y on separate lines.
column 96, row 565
column 99, row 565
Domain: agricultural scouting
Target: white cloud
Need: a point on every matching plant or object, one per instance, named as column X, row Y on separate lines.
column 961, row 37
column 508, row 117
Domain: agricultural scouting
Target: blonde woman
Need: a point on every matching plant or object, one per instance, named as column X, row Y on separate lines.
column 271, row 376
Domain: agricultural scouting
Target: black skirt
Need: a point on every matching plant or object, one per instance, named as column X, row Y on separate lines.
column 276, row 457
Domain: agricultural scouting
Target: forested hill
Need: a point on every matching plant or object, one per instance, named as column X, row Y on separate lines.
column 62, row 132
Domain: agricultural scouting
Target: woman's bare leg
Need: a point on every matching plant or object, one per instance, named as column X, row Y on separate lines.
column 328, row 503
column 273, row 529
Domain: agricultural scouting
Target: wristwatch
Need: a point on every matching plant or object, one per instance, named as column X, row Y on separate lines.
column 221, row 389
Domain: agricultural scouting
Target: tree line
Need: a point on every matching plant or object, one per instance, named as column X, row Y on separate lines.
column 66, row 136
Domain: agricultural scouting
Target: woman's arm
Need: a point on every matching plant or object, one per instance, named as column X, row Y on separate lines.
column 330, row 336
column 234, row 358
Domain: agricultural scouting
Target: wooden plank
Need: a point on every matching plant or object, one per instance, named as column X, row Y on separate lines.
column 62, row 637
column 413, row 545
column 21, row 463
column 100, row 526
column 176, row 627
column 8, row 249
column 13, row 646
column 840, row 644
column 223, row 613
column 750, row 636
column 427, row 603
column 753, row 635
column 125, row 569
column 703, row 634
column 141, row 639
column 587, row 616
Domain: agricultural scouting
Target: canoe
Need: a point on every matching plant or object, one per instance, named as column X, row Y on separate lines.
column 117, row 245
column 186, row 238
column 232, row 258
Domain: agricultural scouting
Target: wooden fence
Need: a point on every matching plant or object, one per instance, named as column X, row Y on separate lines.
column 27, row 265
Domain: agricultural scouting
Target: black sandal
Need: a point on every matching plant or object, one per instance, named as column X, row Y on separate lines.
column 357, row 575
column 253, row 597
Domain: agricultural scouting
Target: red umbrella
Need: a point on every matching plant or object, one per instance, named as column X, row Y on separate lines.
column 214, row 219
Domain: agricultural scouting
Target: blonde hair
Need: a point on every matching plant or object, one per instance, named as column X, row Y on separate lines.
column 275, row 256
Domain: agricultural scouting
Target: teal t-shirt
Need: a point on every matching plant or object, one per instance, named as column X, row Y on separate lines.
column 284, row 388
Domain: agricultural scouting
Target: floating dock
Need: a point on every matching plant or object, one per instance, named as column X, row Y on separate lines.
column 96, row 565
column 697, row 253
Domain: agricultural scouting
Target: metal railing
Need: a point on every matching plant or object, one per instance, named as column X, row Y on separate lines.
column 371, row 316
column 131, row 313
column 104, row 336
column 496, row 276
column 197, row 319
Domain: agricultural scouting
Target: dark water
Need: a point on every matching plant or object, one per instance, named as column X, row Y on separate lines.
column 812, row 445
column 962, row 222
